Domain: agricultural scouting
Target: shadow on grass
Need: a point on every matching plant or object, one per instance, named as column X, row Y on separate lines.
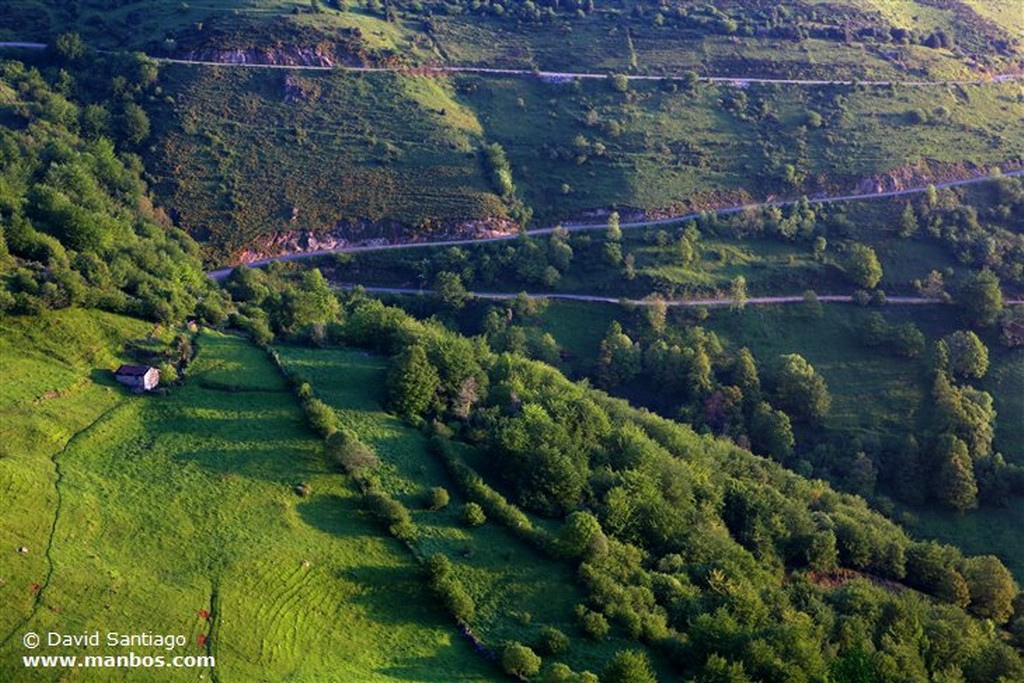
column 265, row 464
column 104, row 377
column 337, row 515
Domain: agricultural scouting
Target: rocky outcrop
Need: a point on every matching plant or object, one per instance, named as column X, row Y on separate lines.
column 288, row 55
column 347, row 235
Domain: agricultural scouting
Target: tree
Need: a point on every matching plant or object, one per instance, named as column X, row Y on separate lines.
column 619, row 357
column 968, row 355
column 580, row 534
column 819, row 247
column 619, row 82
column 801, row 391
column 354, row 456
column 991, row 586
column 629, row 666
column 473, row 515
column 980, row 299
column 437, row 498
column 907, row 340
column 745, row 375
column 134, row 123
column 313, row 302
column 412, row 382
column 614, row 232
column 519, row 660
column 738, row 292
column 69, row 47
column 449, row 290
column 862, row 266
column 771, row 433
column 685, row 249
column 657, row 313
column 908, row 221
column 551, row 641
column 954, row 485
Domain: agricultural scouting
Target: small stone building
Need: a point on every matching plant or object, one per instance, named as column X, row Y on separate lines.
column 138, row 377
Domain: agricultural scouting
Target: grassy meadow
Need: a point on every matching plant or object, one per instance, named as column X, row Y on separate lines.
column 178, row 503
column 517, row 590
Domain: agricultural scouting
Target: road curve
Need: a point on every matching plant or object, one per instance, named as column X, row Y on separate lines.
column 740, row 81
column 680, row 303
column 221, row 273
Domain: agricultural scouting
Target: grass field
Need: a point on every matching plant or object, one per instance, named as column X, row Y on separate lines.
column 174, row 504
column 56, row 384
column 664, row 150
column 517, row 590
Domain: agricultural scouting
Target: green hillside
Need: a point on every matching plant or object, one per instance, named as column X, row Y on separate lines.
column 170, row 505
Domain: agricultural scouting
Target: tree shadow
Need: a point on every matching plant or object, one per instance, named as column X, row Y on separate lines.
column 334, row 514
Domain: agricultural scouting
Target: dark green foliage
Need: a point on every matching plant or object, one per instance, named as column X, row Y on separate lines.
column 629, row 666
column 594, row 624
column 697, row 536
column 520, row 661
column 581, row 535
column 449, row 290
column 862, row 266
column 771, row 433
column 991, row 586
column 955, row 485
column 437, row 498
column 76, row 217
column 619, row 359
column 980, row 298
column 447, row 587
column 412, row 382
column 551, row 641
column 473, row 515
column 968, row 355
column 354, row 456
column 800, row 390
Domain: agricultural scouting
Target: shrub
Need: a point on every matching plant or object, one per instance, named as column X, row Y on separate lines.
column 519, row 660
column 437, row 498
column 629, row 666
column 593, row 623
column 321, row 417
column 551, row 641
column 350, row 453
column 473, row 515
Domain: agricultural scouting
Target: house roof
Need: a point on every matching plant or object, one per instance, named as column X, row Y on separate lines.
column 133, row 370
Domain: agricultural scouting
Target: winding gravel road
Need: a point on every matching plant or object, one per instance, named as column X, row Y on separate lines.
column 578, row 227
column 680, row 303
column 562, row 75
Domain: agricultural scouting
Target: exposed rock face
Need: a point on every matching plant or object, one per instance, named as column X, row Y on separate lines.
column 288, row 55
column 347, row 235
column 917, row 175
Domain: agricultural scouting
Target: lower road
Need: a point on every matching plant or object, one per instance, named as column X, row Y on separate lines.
column 681, row 303
column 577, row 227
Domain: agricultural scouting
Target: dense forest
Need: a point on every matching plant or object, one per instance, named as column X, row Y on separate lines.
column 77, row 226
column 731, row 566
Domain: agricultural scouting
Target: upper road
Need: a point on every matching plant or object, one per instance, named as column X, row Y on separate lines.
column 576, row 227
column 563, row 75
